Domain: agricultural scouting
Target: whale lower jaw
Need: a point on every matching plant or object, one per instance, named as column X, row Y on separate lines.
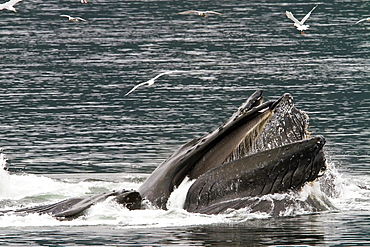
column 277, row 170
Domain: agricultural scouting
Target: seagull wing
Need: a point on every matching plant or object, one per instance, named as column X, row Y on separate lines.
column 65, row 16
column 188, row 12
column 164, row 73
column 157, row 76
column 134, row 88
column 308, row 15
column 365, row 19
column 80, row 19
column 213, row 12
column 291, row 16
column 357, row 22
column 12, row 2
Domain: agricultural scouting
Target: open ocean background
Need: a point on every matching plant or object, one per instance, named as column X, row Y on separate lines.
column 67, row 129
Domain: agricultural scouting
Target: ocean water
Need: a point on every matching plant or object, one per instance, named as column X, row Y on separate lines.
column 67, row 129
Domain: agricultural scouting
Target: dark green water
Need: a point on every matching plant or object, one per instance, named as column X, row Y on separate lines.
column 63, row 109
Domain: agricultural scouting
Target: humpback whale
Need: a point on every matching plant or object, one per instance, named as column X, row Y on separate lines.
column 263, row 148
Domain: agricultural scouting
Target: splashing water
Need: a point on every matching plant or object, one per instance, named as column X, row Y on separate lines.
column 4, row 177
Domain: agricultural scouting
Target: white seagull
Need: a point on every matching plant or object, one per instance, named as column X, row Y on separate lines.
column 300, row 24
column 200, row 13
column 9, row 5
column 365, row 19
column 75, row 19
column 151, row 81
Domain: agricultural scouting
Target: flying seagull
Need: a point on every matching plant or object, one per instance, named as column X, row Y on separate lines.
column 300, row 24
column 9, row 5
column 75, row 19
column 200, row 13
column 83, row 1
column 365, row 19
column 151, row 81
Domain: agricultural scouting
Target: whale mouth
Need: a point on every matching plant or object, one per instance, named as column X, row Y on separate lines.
column 254, row 128
column 277, row 156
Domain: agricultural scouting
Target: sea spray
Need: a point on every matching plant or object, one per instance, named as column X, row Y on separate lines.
column 178, row 196
column 4, row 176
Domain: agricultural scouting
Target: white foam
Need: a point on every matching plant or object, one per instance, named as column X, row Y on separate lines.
column 353, row 193
column 18, row 186
column 11, row 220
